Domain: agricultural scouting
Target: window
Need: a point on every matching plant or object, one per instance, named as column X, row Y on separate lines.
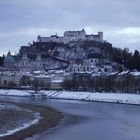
column 95, row 61
column 105, row 69
column 5, row 82
column 84, row 69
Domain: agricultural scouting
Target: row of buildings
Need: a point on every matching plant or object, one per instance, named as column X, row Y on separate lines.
column 46, row 80
column 54, row 80
column 25, row 64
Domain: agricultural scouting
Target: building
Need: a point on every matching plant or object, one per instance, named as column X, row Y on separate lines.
column 72, row 36
column 9, row 61
column 26, row 63
column 7, row 80
column 57, row 85
column 89, row 65
column 31, row 63
column 53, row 38
column 43, row 81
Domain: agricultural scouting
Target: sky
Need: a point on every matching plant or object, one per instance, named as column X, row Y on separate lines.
column 21, row 21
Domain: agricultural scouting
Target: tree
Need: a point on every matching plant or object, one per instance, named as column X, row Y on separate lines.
column 25, row 81
column 68, row 84
column 1, row 61
column 136, row 60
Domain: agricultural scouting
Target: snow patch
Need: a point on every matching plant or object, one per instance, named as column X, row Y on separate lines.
column 24, row 126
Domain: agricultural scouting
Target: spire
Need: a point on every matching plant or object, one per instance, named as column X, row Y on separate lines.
column 9, row 53
column 83, row 30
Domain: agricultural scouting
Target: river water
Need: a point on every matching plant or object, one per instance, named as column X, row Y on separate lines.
column 89, row 121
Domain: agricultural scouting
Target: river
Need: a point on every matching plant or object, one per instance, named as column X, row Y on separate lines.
column 89, row 121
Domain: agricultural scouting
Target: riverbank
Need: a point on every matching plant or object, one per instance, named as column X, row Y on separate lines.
column 124, row 98
column 48, row 118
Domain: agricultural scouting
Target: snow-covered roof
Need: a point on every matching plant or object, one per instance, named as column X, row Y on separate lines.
column 124, row 72
column 135, row 73
column 25, row 73
column 57, row 81
column 112, row 73
column 37, row 72
column 42, row 76
column 59, row 71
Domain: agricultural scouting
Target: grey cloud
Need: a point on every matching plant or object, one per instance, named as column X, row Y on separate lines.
column 21, row 17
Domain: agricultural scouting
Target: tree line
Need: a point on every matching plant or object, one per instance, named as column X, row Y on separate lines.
column 113, row 83
column 128, row 59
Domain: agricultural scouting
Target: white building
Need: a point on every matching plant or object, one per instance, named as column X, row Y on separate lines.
column 26, row 65
column 98, row 37
column 10, row 79
column 72, row 36
column 53, row 38
column 91, row 65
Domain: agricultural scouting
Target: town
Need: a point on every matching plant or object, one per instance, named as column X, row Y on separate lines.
column 77, row 61
column 69, row 70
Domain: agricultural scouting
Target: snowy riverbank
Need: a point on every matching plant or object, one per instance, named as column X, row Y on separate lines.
column 19, row 121
column 14, row 119
column 86, row 96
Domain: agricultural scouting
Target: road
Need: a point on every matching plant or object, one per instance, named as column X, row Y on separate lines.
column 89, row 121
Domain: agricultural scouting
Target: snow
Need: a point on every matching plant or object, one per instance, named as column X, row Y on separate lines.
column 104, row 97
column 14, row 127
column 21, row 93
column 57, row 81
column 123, row 73
column 59, row 71
column 24, row 126
column 42, row 76
column 37, row 72
column 89, row 96
column 85, row 96
column 135, row 73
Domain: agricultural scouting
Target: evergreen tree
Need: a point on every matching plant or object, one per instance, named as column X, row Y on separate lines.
column 1, row 61
column 135, row 61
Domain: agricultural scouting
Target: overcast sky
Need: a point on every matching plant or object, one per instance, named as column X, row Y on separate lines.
column 21, row 21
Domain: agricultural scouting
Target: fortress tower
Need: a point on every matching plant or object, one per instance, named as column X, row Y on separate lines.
column 101, row 36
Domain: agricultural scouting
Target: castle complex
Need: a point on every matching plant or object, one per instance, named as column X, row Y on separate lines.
column 42, row 56
column 72, row 36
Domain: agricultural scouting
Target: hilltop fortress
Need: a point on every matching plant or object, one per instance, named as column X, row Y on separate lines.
column 48, row 53
column 72, row 36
